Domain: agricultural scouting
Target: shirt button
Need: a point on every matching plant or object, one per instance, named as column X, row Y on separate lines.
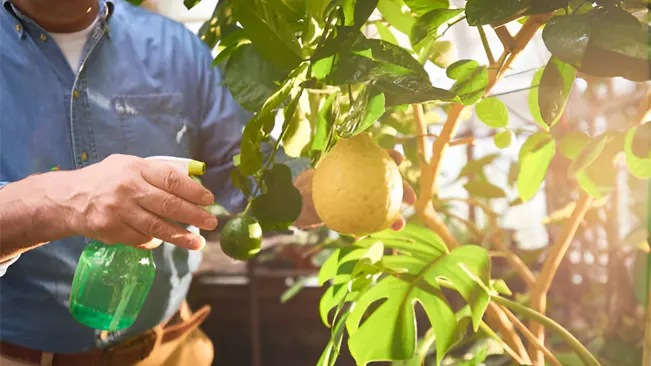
column 18, row 28
column 84, row 156
column 75, row 93
column 43, row 37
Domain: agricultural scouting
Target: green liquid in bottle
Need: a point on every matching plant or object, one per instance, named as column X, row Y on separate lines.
column 111, row 285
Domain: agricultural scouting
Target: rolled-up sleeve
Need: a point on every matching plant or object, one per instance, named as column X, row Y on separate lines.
column 222, row 121
column 5, row 265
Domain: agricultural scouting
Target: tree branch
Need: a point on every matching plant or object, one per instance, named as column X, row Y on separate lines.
column 550, row 267
column 505, row 37
column 430, row 169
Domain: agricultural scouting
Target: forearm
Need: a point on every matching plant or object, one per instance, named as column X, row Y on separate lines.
column 28, row 215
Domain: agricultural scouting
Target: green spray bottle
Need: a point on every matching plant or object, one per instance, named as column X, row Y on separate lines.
column 112, row 282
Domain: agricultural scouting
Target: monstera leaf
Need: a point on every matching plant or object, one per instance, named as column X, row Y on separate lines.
column 380, row 314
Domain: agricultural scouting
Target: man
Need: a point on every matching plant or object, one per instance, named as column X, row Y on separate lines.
column 88, row 89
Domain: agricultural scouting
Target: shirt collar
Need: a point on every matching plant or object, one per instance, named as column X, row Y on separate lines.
column 106, row 8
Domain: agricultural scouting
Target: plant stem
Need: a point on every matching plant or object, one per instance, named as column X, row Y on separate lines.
column 486, row 329
column 484, row 42
column 571, row 341
column 527, row 333
column 550, row 267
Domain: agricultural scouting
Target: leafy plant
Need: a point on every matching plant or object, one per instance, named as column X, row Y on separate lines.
column 341, row 67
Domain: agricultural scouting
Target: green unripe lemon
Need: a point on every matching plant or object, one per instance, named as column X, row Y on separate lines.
column 241, row 238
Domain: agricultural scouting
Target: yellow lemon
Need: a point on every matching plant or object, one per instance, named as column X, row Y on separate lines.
column 357, row 187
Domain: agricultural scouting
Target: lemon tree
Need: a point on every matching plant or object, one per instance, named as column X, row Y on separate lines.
column 343, row 80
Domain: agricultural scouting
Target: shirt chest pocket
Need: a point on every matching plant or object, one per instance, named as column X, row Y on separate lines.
column 154, row 124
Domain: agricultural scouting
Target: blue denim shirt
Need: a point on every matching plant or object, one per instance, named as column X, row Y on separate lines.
column 145, row 87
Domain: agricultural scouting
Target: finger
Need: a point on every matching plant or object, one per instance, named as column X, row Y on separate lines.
column 126, row 235
column 149, row 224
column 399, row 224
column 396, row 156
column 408, row 193
column 169, row 179
column 169, row 206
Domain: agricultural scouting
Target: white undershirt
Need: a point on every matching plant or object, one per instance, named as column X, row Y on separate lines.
column 72, row 45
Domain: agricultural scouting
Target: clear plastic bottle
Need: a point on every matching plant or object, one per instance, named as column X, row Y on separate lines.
column 112, row 282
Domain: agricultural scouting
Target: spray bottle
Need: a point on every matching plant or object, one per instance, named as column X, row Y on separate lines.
column 112, row 282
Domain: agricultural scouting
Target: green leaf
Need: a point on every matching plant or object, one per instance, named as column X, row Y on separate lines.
column 464, row 267
column 476, row 166
column 421, row 7
column 368, row 107
column 503, row 139
column 294, row 289
column 280, row 205
column 535, row 156
column 389, row 332
column 189, row 4
column 385, row 33
column 220, row 25
column 363, row 10
column 572, row 143
column 590, row 153
column 329, row 355
column 325, row 120
column 482, row 12
column 250, row 78
column 618, row 45
column 594, row 167
column 317, row 8
column 484, row 188
column 331, row 298
column 298, row 132
column 224, row 54
column 241, row 182
column 413, row 91
column 472, row 80
column 251, row 157
column 391, row 69
column 638, row 163
column 501, row 287
column 616, row 30
column 392, row 11
column 427, row 25
column 534, row 109
column 554, row 90
column 339, row 266
column 413, row 240
column 270, row 34
column 292, row 11
column 566, row 37
column 492, row 112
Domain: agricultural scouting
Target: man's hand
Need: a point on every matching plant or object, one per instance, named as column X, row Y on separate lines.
column 125, row 199
column 310, row 219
